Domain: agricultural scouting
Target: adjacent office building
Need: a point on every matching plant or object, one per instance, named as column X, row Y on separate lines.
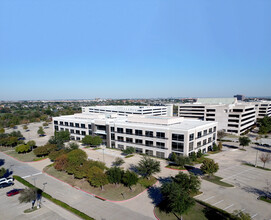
column 152, row 135
column 166, row 110
column 263, row 108
column 232, row 116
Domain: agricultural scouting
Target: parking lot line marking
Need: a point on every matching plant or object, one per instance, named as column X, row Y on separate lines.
column 208, row 198
column 254, row 215
column 32, row 175
column 228, row 206
column 218, row 202
column 238, row 174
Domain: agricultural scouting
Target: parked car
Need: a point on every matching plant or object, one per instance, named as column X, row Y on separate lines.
column 6, row 180
column 21, row 138
column 42, row 135
column 4, row 185
column 13, row 192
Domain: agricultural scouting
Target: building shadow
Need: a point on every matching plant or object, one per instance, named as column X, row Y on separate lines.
column 230, row 146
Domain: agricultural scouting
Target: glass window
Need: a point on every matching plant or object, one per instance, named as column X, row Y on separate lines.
column 71, row 124
column 55, row 122
column 191, row 146
column 83, row 132
column 199, row 134
column 177, row 137
column 129, row 131
column 160, row 144
column 129, row 140
column 120, row 130
column 191, row 137
column 138, row 141
column 120, row 138
column 138, row 132
column 160, row 134
column 77, row 125
column 149, row 143
column 83, row 126
column 205, row 132
column 149, row 133
column 176, row 146
column 66, row 123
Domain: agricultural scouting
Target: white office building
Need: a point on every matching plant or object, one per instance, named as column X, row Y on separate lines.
column 166, row 110
column 263, row 108
column 232, row 116
column 152, row 135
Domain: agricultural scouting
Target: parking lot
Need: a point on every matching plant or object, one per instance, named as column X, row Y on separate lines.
column 10, row 208
column 248, row 184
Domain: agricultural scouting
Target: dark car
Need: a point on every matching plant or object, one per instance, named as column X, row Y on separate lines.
column 4, row 185
column 42, row 135
column 21, row 138
column 13, row 192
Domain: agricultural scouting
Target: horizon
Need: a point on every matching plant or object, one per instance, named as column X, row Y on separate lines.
column 134, row 49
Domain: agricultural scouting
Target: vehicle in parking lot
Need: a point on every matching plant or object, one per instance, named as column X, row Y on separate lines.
column 13, row 192
column 6, row 180
column 4, row 185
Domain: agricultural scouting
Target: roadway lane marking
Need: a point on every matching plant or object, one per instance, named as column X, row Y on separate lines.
column 218, row 202
column 237, row 174
column 32, row 175
column 254, row 215
column 208, row 198
column 228, row 206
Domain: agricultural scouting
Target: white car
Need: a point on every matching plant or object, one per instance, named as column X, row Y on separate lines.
column 6, row 180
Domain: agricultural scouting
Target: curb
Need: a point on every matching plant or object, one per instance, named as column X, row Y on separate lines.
column 23, row 161
column 155, row 214
column 94, row 195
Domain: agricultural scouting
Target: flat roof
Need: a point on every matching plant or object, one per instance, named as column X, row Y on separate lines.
column 125, row 107
column 161, row 122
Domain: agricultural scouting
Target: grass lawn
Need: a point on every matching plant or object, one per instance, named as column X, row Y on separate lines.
column 172, row 166
column 3, row 149
column 197, row 212
column 251, row 165
column 264, row 198
column 217, row 180
column 27, row 157
column 111, row 191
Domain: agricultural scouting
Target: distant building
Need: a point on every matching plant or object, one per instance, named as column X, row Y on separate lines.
column 232, row 116
column 240, row 97
column 131, row 110
column 152, row 135
column 263, row 108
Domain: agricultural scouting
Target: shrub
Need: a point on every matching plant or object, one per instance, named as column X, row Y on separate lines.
column 61, row 162
column 181, row 160
column 44, row 150
column 193, row 156
column 97, row 177
column 55, row 154
column 199, row 153
column 77, row 157
column 114, row 175
column 129, row 150
column 129, row 179
column 23, row 148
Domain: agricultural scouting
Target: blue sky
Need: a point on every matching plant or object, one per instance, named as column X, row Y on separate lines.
column 134, row 49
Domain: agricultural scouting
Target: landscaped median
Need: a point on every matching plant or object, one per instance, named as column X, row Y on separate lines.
column 110, row 192
column 56, row 201
column 217, row 180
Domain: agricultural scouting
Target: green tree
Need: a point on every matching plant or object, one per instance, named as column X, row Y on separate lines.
column 199, row 154
column 62, row 136
column 97, row 177
column 56, row 153
column 244, row 141
column 189, row 182
column 215, row 147
column 73, row 146
column 23, row 148
column 173, row 157
column 31, row 144
column 45, row 124
column 44, row 150
column 148, row 166
column 2, row 130
column 129, row 179
column 97, row 140
column 175, row 199
column 182, row 160
column 193, row 156
column 129, row 150
column 114, row 175
column 25, row 127
column 40, row 131
column 87, row 140
column 209, row 167
column 77, row 157
column 265, row 125
column 28, row 195
column 93, row 163
column 118, row 162
column 2, row 172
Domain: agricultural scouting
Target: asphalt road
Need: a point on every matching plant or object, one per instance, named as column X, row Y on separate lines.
column 98, row 209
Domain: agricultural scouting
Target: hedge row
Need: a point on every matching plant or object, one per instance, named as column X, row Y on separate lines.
column 225, row 214
column 56, row 201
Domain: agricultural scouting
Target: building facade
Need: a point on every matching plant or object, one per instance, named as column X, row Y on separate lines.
column 232, row 117
column 151, row 135
column 166, row 110
column 263, row 108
